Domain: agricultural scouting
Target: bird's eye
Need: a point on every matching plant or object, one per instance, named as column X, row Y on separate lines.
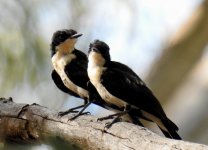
column 62, row 37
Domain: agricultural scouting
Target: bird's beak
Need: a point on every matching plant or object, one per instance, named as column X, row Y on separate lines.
column 76, row 36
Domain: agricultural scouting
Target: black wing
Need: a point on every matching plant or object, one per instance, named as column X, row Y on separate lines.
column 77, row 70
column 129, row 88
column 123, row 68
column 82, row 58
column 57, row 80
column 126, row 85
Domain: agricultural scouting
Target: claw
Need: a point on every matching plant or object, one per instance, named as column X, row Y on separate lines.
column 72, row 110
column 116, row 119
column 79, row 114
column 117, row 115
column 63, row 113
column 82, row 111
column 87, row 113
column 105, row 118
column 109, row 124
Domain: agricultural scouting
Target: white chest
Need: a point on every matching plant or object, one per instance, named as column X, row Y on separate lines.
column 94, row 73
column 59, row 63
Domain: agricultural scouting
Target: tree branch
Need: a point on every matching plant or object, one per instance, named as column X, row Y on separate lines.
column 34, row 123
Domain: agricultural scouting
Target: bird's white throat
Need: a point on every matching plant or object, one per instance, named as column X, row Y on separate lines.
column 60, row 60
column 95, row 66
column 66, row 47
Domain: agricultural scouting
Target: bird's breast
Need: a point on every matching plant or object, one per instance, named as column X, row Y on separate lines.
column 95, row 73
column 59, row 64
column 59, row 61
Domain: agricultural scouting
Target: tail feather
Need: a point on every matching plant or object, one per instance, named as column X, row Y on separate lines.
column 172, row 129
column 173, row 125
column 166, row 133
column 168, row 128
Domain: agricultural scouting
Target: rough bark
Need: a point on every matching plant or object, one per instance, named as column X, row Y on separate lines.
column 34, row 123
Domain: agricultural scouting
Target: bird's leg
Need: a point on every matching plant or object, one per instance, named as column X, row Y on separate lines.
column 127, row 108
column 91, row 99
column 109, row 117
column 116, row 119
column 109, row 124
column 81, row 111
column 72, row 110
column 88, row 101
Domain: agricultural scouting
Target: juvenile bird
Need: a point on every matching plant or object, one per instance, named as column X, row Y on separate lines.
column 70, row 71
column 125, row 90
column 70, row 65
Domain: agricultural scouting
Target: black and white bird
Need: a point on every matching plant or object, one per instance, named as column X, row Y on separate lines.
column 70, row 65
column 125, row 90
column 70, row 71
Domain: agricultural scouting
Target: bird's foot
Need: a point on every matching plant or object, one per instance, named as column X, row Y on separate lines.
column 71, row 110
column 109, row 124
column 107, row 117
column 116, row 119
column 79, row 114
column 63, row 113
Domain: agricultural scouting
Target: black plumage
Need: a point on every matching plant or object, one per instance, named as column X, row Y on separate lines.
column 74, row 69
column 70, row 65
column 77, row 68
column 123, row 88
column 57, row 80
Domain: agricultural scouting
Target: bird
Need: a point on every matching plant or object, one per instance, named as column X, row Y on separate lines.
column 70, row 72
column 70, row 69
column 125, row 90
column 70, row 66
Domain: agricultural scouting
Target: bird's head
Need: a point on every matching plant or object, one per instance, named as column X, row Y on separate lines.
column 64, row 41
column 99, row 52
